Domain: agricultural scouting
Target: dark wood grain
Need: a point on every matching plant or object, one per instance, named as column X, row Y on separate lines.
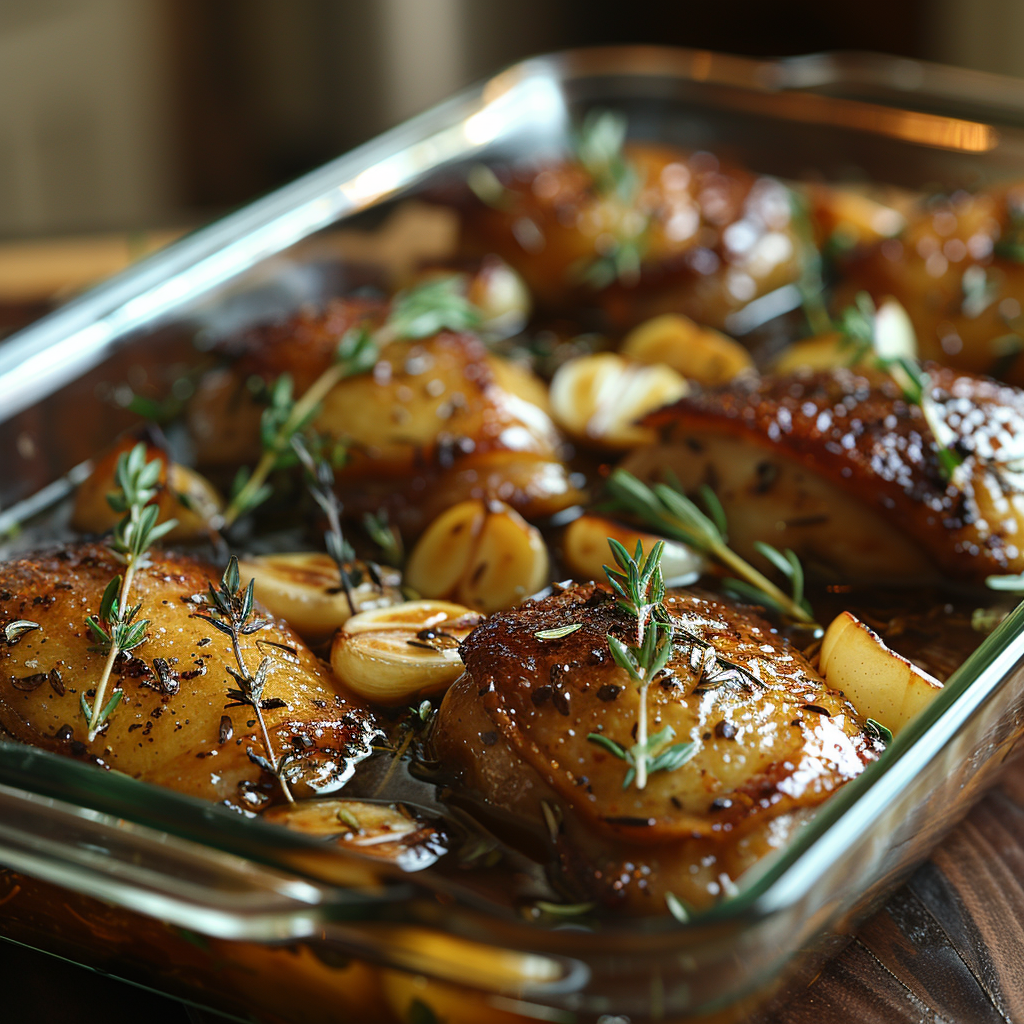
column 948, row 948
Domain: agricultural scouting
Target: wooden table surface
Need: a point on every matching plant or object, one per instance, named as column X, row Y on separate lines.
column 948, row 948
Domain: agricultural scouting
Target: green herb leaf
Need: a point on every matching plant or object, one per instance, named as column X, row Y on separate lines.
column 558, row 632
column 878, row 731
column 681, row 911
column 17, row 628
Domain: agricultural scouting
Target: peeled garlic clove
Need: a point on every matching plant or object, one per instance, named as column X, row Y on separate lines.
column 396, row 655
column 698, row 353
column 502, row 298
column 484, row 554
column 304, row 588
column 599, row 398
column 385, row 831
column 439, row 559
column 585, row 550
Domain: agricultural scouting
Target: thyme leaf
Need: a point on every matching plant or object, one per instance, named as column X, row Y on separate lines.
column 17, row 628
column 420, row 312
column 558, row 632
column 386, row 537
column 230, row 610
column 118, row 629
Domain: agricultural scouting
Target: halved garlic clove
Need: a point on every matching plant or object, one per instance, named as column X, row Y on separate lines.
column 398, row 654
column 698, row 353
column 304, row 588
column 585, row 550
column 599, row 398
column 385, row 831
column 483, row 554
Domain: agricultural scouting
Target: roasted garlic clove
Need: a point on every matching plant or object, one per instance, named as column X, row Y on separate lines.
column 892, row 338
column 183, row 494
column 585, row 550
column 395, row 655
column 384, row 831
column 483, row 554
column 304, row 588
column 599, row 398
column 502, row 298
column 877, row 681
column 698, row 353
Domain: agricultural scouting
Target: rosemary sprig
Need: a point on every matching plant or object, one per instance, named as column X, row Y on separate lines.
column 420, row 312
column 640, row 590
column 672, row 514
column 117, row 628
column 230, row 610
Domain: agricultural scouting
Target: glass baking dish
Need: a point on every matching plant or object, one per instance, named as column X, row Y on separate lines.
column 262, row 923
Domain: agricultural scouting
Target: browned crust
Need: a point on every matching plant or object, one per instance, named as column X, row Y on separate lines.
column 857, row 431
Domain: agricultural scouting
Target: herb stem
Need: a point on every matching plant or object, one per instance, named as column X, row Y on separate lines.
column 641, row 725
column 96, row 719
column 267, row 746
column 746, row 571
column 311, row 398
column 115, row 628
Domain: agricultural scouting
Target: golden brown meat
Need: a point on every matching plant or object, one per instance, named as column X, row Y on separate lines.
column 838, row 467
column 958, row 269
column 770, row 745
column 712, row 236
column 173, row 726
column 436, row 422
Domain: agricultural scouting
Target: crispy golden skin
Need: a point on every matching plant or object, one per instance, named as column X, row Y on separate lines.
column 436, row 422
column 173, row 726
column 717, row 236
column 515, row 727
column 839, row 467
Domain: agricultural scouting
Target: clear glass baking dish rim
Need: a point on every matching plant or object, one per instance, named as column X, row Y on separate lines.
column 101, row 317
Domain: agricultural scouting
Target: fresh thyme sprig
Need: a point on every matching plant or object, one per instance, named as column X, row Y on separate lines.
column 670, row 513
column 420, row 312
column 598, row 146
column 386, row 537
column 230, row 610
column 811, row 283
column 320, row 484
column 640, row 590
column 858, row 325
column 117, row 629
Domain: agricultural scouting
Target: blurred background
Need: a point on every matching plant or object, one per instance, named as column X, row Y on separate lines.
column 120, row 115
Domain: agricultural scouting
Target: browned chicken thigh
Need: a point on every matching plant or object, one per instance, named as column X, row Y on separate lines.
column 840, row 467
column 174, row 725
column 770, row 743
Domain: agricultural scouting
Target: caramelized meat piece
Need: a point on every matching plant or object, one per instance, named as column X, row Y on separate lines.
column 771, row 742
column 173, row 726
column 436, row 421
column 839, row 467
column 958, row 269
column 713, row 237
